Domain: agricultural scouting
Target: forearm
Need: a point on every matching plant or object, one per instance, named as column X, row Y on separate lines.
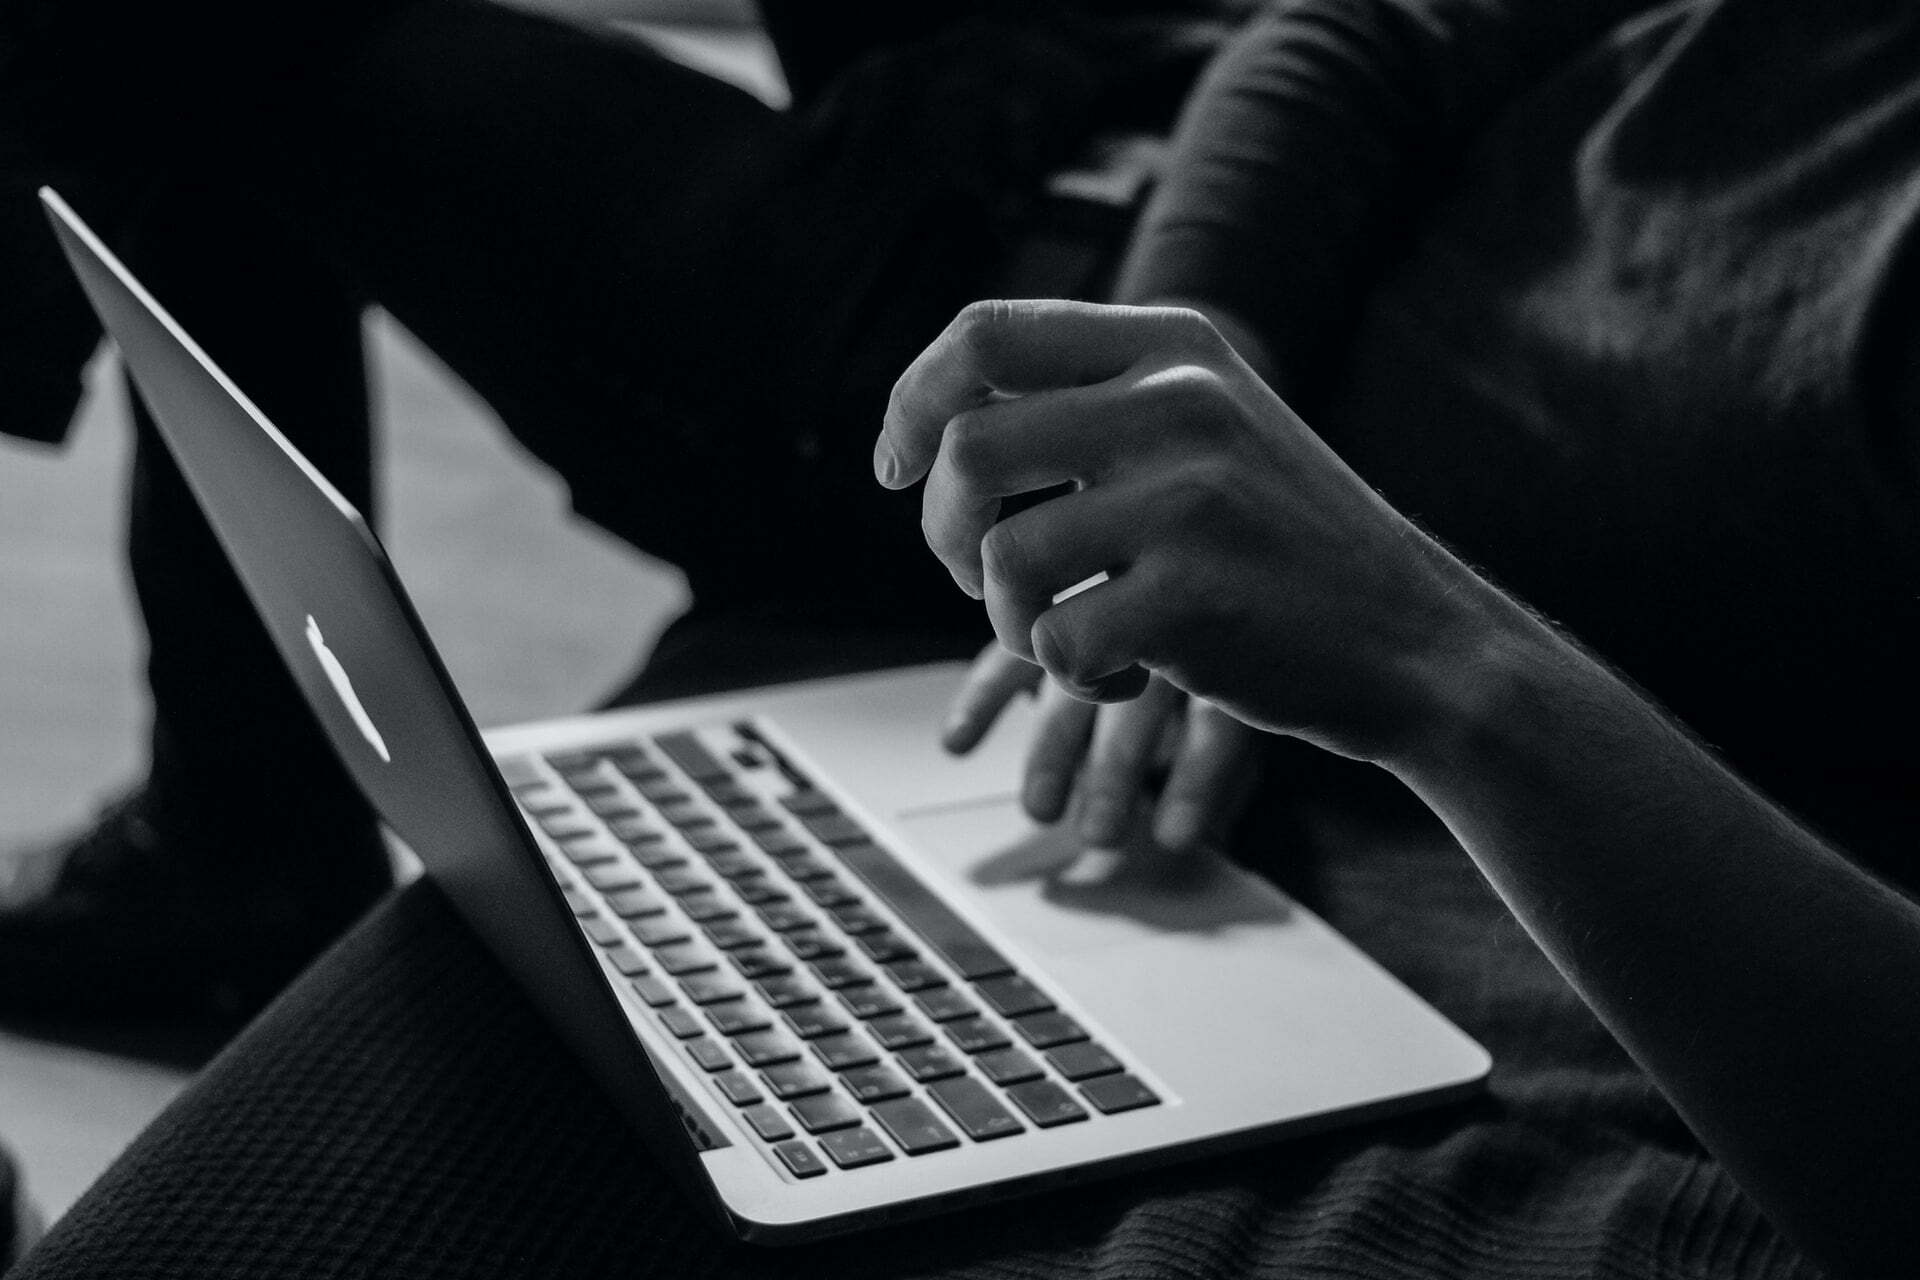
column 1767, row 984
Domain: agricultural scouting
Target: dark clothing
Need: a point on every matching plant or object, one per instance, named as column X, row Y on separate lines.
column 1642, row 356
column 1609, row 298
column 404, row 1111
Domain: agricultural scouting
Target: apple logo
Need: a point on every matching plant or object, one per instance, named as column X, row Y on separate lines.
column 343, row 687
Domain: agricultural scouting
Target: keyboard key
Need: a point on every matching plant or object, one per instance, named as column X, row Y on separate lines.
column 776, row 841
column 856, row 918
column 628, row 961
column 711, row 988
column 612, row 805
column 732, row 864
column 742, row 1018
column 612, row 877
column 728, row 793
column 930, row 919
column 707, row 841
column 944, row 1004
column 1012, row 996
column 814, row 1019
column 789, row 1080
column 975, row 1035
column 803, row 865
column 836, row 972
column 1045, row 1030
column 603, row 931
column 701, row 907
column 731, row 935
column 915, row 975
column 765, row 1048
column 828, row 891
column 656, row 991
column 809, row 802
column 854, row 1148
column 739, row 1090
column 759, row 963
column 657, row 855
column 769, row 1123
column 784, row 990
column 1082, row 1061
column 758, row 891
column 684, row 957
column 1046, row 1103
column 843, row 1051
column 589, row 851
column 811, row 944
column 692, row 756
column 567, row 826
column 884, row 945
column 785, row 917
column 659, row 931
column 751, row 815
column 1008, row 1066
column 634, row 763
column 931, row 1062
column 825, row 1112
column 875, row 1084
column 1118, row 1093
column 520, row 771
column 663, row 790
column 899, row 1031
column 581, row 901
column 631, row 904
column 681, row 1023
column 711, row 1055
column 912, row 1124
column 800, row 1159
column 868, row 1000
column 973, row 1107
column 635, row 830
column 833, row 828
column 682, row 880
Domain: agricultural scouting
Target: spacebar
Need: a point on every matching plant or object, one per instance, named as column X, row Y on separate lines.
column 952, row 938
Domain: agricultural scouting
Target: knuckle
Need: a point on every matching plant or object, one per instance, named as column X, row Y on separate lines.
column 1053, row 649
column 968, row 444
column 1192, row 330
column 1004, row 553
column 981, row 326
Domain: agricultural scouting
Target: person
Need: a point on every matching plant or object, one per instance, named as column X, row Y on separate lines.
column 1615, row 298
column 688, row 295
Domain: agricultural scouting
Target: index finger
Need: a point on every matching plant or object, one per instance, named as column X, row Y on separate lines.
column 1012, row 347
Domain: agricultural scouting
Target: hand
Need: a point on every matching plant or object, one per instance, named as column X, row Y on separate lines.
column 1246, row 563
column 1100, row 762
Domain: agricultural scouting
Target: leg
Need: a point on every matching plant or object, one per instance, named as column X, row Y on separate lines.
column 248, row 849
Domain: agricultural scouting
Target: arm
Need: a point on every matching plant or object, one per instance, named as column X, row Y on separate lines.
column 1766, row 983
column 1324, row 128
column 1312, row 146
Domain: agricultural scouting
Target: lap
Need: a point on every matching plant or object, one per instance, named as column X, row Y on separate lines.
column 403, row 1110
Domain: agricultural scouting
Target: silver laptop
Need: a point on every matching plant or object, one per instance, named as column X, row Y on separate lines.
column 833, row 976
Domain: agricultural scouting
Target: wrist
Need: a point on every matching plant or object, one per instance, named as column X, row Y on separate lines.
column 1481, row 690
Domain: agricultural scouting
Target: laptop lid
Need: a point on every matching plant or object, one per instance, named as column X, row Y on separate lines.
column 329, row 598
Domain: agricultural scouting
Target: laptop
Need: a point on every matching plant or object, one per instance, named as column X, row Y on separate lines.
column 831, row 975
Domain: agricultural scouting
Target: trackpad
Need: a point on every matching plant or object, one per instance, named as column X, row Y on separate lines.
column 1059, row 898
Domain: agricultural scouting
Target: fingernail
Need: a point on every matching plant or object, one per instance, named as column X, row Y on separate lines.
column 1101, row 821
column 1178, row 825
column 1044, row 796
column 886, row 467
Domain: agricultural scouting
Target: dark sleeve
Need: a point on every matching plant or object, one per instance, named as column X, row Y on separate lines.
column 1317, row 137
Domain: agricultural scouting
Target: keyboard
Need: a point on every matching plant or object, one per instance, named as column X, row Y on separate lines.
column 848, row 1014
